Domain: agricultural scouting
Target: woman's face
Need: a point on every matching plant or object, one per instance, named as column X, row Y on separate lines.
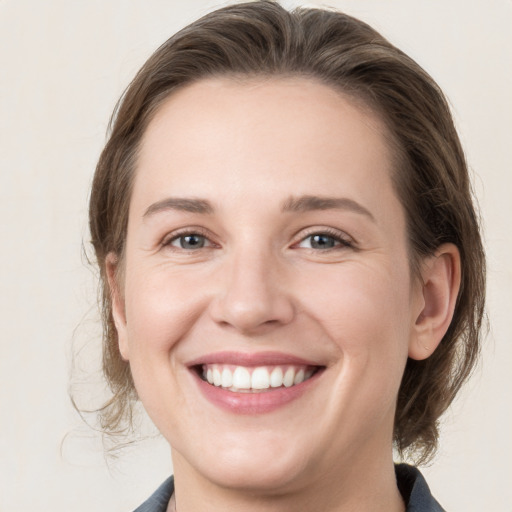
column 267, row 253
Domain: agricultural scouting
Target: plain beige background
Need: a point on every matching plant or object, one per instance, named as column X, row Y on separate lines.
column 63, row 64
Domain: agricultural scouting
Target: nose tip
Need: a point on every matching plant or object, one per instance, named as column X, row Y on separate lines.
column 253, row 315
column 252, row 300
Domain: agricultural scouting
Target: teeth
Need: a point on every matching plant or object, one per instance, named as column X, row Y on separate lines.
column 260, row 379
column 242, row 378
column 227, row 378
column 276, row 377
column 217, row 378
column 299, row 377
column 289, row 377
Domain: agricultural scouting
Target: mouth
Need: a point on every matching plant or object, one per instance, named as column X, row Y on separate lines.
column 253, row 383
column 259, row 379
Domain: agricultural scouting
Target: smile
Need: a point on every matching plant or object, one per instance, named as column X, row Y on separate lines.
column 256, row 383
column 243, row 379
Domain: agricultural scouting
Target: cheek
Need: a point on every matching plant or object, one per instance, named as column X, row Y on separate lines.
column 362, row 297
column 364, row 310
column 160, row 308
column 159, row 313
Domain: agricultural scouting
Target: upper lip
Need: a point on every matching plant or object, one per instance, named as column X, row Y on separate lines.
column 251, row 359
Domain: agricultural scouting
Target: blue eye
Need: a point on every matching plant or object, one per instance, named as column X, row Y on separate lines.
column 323, row 241
column 189, row 241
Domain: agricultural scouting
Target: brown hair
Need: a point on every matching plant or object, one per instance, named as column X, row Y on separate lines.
column 263, row 39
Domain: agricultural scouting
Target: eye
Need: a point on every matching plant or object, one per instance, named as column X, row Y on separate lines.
column 324, row 241
column 188, row 241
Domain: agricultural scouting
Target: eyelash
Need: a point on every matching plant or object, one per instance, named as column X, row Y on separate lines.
column 167, row 242
column 339, row 238
column 341, row 242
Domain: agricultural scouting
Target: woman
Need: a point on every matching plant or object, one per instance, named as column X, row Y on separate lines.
column 292, row 267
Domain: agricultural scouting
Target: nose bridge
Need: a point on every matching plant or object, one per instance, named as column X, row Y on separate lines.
column 251, row 293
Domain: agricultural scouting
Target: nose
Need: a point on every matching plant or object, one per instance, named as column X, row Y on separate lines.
column 252, row 294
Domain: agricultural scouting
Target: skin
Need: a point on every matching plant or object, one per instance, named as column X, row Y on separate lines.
column 260, row 284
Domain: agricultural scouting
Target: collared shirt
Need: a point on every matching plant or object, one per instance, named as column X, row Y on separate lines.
column 410, row 481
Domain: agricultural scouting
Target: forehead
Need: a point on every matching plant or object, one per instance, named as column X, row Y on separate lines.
column 261, row 133
column 278, row 104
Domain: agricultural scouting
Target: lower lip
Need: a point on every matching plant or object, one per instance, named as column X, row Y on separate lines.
column 254, row 403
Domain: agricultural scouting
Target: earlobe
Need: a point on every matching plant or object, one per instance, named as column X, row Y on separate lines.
column 440, row 287
column 118, row 305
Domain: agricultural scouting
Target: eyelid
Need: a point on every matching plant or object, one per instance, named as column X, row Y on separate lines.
column 344, row 239
column 341, row 236
column 189, row 230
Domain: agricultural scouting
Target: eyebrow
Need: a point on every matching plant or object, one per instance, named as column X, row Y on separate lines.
column 183, row 204
column 311, row 203
column 293, row 204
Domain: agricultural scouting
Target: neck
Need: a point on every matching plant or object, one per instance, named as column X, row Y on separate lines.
column 366, row 488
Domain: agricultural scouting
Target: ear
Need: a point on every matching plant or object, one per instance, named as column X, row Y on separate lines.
column 439, row 288
column 118, row 305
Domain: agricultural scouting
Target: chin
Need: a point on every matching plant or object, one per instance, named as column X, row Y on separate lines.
column 274, row 476
column 256, row 462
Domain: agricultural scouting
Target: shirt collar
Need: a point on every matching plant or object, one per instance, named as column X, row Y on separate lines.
column 410, row 481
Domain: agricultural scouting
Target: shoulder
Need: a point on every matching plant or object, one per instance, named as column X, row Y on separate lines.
column 159, row 500
column 415, row 490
